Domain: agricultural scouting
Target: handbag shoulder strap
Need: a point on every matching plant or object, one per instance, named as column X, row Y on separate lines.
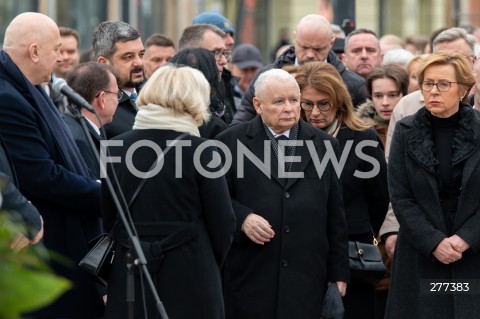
column 154, row 164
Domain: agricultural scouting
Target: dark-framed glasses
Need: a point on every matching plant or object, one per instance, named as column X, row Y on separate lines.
column 218, row 54
column 119, row 93
column 323, row 105
column 442, row 86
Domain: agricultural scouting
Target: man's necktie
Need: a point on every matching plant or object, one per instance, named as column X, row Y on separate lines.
column 133, row 96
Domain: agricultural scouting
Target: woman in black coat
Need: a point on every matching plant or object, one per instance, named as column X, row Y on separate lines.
column 183, row 214
column 434, row 178
column 326, row 104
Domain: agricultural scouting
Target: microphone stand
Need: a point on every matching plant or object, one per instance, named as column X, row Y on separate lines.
column 140, row 259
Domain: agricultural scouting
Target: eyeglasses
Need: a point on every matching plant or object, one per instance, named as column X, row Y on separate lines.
column 322, row 105
column 119, row 93
column 218, row 54
column 391, row 95
column 442, row 86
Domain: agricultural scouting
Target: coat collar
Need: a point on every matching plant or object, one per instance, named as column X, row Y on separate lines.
column 420, row 144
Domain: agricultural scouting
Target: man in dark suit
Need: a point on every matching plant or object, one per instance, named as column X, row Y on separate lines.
column 49, row 167
column 117, row 43
column 291, row 236
column 97, row 84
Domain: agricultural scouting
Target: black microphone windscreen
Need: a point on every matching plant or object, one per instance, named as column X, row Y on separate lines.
column 57, row 85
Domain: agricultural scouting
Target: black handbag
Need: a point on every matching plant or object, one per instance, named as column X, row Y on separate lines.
column 366, row 264
column 98, row 261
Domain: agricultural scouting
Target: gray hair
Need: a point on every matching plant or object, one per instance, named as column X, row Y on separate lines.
column 277, row 74
column 192, row 36
column 453, row 34
column 397, row 56
column 108, row 33
column 360, row 31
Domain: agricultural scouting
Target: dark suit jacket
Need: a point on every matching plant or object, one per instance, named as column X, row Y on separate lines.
column 186, row 267
column 69, row 203
column 123, row 118
column 286, row 277
column 365, row 199
column 83, row 144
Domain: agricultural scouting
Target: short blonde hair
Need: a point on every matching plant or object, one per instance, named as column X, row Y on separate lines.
column 463, row 69
column 180, row 88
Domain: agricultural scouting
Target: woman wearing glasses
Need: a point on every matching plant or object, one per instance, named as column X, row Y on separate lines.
column 326, row 104
column 434, row 177
column 385, row 86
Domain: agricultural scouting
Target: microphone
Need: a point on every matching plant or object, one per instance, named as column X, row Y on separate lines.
column 61, row 86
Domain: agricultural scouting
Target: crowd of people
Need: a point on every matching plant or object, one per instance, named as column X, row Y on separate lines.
column 266, row 235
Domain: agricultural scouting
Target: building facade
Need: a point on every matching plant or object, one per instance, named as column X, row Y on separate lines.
column 256, row 21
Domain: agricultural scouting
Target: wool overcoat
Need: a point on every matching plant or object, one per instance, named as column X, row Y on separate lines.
column 68, row 201
column 413, row 176
column 287, row 277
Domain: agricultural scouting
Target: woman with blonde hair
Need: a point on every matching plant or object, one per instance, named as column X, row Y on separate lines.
column 184, row 219
column 326, row 104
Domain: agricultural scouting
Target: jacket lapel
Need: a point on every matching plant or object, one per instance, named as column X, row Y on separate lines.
column 256, row 138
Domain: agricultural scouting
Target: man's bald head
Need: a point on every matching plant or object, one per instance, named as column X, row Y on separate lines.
column 19, row 31
column 313, row 22
column 313, row 38
column 32, row 40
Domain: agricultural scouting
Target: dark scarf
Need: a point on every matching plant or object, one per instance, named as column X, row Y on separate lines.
column 69, row 153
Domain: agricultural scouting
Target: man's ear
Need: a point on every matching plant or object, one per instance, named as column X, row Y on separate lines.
column 100, row 101
column 102, row 59
column 33, row 52
column 257, row 104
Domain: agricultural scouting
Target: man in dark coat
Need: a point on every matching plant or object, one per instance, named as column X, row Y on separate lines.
column 291, row 236
column 50, row 169
column 16, row 205
column 117, row 43
column 313, row 42
column 97, row 84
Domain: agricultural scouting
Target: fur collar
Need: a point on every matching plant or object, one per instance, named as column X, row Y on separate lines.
column 366, row 111
column 419, row 139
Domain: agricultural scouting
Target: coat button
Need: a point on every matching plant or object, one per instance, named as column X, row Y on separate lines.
column 287, row 195
column 284, row 263
column 287, row 229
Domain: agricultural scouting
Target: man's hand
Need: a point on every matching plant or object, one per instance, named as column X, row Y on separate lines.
column 257, row 229
column 39, row 234
column 342, row 287
column 19, row 243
